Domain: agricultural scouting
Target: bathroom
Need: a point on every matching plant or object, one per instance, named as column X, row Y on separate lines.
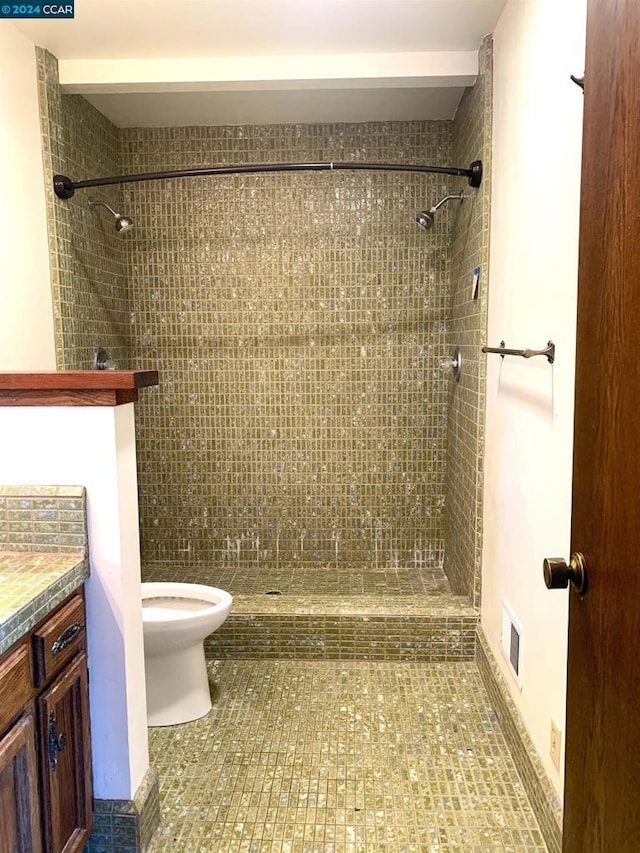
column 303, row 448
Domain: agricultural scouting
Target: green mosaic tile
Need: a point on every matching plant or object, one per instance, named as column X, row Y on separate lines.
column 297, row 322
column 147, row 800
column 89, row 276
column 355, row 613
column 127, row 826
column 31, row 585
column 321, row 757
column 352, row 584
column 47, row 519
column 466, row 328
column 40, row 563
column 544, row 799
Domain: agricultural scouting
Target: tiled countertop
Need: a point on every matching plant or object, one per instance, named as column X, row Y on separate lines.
column 31, row 586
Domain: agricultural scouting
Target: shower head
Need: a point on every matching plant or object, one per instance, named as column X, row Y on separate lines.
column 426, row 218
column 123, row 223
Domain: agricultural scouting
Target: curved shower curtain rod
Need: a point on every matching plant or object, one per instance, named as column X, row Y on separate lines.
column 64, row 187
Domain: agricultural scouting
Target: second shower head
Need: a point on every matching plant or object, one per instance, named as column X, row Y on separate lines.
column 123, row 223
column 426, row 218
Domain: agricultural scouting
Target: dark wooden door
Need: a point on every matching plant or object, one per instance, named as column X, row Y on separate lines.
column 19, row 809
column 602, row 791
column 63, row 712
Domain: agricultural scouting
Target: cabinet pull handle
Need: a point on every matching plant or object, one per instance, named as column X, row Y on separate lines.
column 57, row 742
column 67, row 637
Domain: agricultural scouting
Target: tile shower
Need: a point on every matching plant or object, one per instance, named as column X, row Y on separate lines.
column 298, row 442
column 297, row 320
column 302, row 426
column 303, row 450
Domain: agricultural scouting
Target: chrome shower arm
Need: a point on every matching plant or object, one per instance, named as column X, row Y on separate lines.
column 457, row 197
column 93, row 203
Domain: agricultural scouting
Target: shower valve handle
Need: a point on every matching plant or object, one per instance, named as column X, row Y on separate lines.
column 558, row 575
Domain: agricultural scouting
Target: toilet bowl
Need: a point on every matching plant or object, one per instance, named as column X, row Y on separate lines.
column 176, row 617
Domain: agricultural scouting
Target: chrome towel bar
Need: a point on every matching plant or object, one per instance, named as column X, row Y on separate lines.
column 549, row 351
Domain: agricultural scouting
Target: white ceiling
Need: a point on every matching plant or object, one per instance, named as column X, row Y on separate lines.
column 319, row 106
column 155, row 30
column 107, row 29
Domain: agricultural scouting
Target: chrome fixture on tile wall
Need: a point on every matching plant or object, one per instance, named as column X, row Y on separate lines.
column 123, row 223
column 452, row 364
column 102, row 360
column 426, row 218
column 65, row 188
column 549, row 351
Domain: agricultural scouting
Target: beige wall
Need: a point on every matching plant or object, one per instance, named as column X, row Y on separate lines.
column 537, row 134
column 26, row 315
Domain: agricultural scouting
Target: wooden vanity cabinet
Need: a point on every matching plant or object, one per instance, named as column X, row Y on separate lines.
column 19, row 802
column 63, row 716
column 45, row 752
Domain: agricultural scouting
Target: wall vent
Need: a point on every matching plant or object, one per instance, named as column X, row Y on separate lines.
column 511, row 642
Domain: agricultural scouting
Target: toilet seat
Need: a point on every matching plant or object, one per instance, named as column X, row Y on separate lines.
column 158, row 607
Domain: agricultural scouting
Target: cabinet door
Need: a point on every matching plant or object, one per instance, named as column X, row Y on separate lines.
column 63, row 712
column 19, row 811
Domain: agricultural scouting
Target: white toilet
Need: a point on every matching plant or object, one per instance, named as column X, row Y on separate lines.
column 176, row 617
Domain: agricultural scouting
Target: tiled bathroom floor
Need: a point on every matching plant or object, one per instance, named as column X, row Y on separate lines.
column 341, row 757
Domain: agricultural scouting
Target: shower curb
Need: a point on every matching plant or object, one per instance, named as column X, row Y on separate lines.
column 426, row 638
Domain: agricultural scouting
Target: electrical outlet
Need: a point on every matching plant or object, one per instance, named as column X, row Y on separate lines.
column 555, row 745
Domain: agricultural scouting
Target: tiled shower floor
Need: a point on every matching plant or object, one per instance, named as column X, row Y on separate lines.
column 358, row 580
column 341, row 757
column 303, row 590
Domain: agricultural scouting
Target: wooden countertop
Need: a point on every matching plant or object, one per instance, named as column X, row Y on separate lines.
column 74, row 387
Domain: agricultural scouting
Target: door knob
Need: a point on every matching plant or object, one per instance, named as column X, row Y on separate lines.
column 558, row 575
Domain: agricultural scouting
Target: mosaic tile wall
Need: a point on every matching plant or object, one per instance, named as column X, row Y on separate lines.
column 127, row 826
column 46, row 519
column 88, row 265
column 297, row 321
column 443, row 636
column 466, row 328
column 43, row 554
column 542, row 795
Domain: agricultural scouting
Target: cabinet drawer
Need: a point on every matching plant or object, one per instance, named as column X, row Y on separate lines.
column 58, row 639
column 15, row 684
